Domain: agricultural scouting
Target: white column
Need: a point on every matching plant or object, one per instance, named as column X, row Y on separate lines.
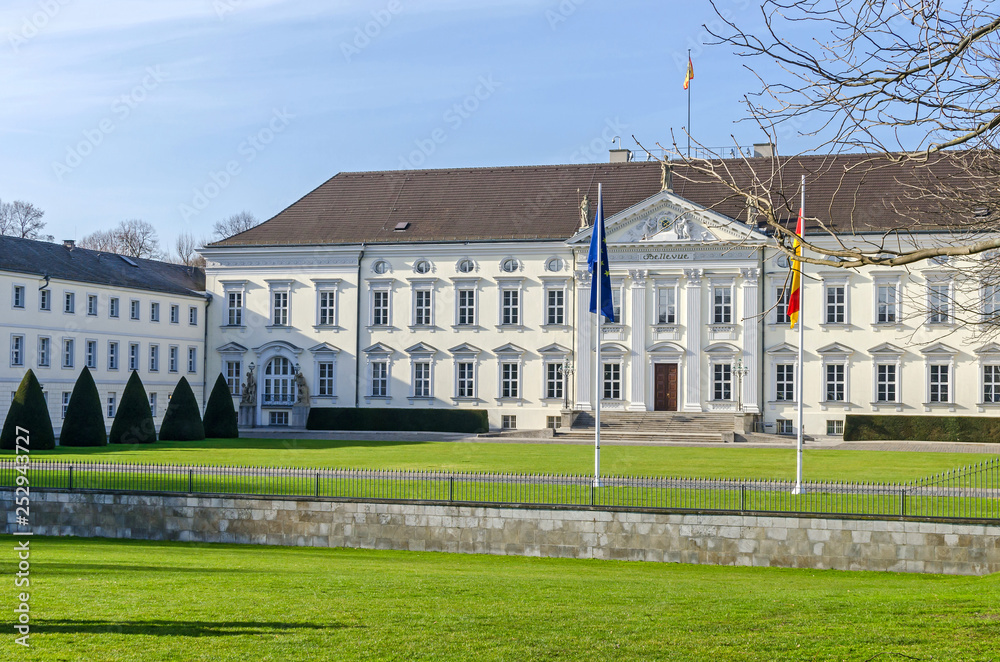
column 751, row 324
column 584, row 342
column 692, row 340
column 638, row 335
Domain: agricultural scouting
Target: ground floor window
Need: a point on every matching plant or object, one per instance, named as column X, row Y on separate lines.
column 784, row 379
column 508, row 422
column 885, row 383
column 422, row 380
column 380, row 379
column 722, row 381
column 940, row 380
column 509, row 380
column 278, row 418
column 835, row 427
column 785, row 426
column 991, row 383
column 553, row 422
column 326, row 379
column 465, row 386
column 835, row 381
column 234, row 370
column 553, row 381
column 612, row 381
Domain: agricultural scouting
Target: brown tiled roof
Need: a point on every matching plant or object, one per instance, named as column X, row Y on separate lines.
column 543, row 202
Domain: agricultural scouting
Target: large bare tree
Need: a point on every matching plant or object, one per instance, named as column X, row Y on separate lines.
column 133, row 237
column 186, row 250
column 912, row 85
column 235, row 224
column 21, row 219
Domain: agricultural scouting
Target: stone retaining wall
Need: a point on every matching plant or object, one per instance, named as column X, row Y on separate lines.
column 638, row 535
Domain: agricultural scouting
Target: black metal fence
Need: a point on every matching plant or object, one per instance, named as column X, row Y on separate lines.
column 969, row 493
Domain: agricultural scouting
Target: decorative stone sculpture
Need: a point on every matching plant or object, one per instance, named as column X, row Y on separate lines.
column 250, row 389
column 302, row 388
column 584, row 212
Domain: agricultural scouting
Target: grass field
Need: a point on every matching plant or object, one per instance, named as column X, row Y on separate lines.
column 730, row 461
column 139, row 601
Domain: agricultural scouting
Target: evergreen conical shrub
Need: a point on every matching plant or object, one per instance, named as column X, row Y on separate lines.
column 220, row 416
column 83, row 424
column 182, row 421
column 29, row 412
column 133, row 420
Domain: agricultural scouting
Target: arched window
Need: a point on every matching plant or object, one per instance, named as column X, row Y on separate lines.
column 279, row 382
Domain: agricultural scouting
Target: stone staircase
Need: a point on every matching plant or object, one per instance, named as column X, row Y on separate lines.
column 652, row 426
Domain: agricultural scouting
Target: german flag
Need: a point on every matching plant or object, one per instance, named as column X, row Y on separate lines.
column 689, row 76
column 795, row 298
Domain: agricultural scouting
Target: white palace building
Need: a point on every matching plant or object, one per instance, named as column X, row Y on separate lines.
column 468, row 288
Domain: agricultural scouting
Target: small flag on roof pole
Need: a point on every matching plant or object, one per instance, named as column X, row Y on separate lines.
column 689, row 76
column 795, row 298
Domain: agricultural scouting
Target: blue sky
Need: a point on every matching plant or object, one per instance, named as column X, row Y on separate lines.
column 182, row 112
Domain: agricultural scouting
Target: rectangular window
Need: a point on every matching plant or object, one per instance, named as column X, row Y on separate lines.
column 152, row 404
column 92, row 305
column 835, row 427
column 781, row 306
column 380, row 308
column 65, row 403
column 555, row 307
column 326, row 379
column 991, row 383
column 836, row 297
column 785, row 426
column 113, row 355
column 835, row 382
column 466, row 307
column 553, row 422
column 939, row 381
column 154, row 312
column 722, row 381
column 133, row 356
column 18, row 300
column 44, row 300
column 510, row 310
column 612, row 381
column 466, row 380
column 508, row 422
column 422, row 380
column 112, row 405
column 69, row 351
column 192, row 359
column 421, row 307
column 234, row 309
column 69, row 303
column 885, row 383
column 722, row 305
column 133, row 309
column 173, row 358
column 278, row 418
column 154, row 358
column 554, row 381
column 193, row 315
column 279, row 308
column 17, row 350
column 939, row 303
column 380, row 379
column 175, row 314
column 113, row 304
column 616, row 302
column 92, row 354
column 44, row 352
column 991, row 302
column 784, row 378
column 509, row 380
column 666, row 305
column 327, row 303
column 234, row 372
column 888, row 304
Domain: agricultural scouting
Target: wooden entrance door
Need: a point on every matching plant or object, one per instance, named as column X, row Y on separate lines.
column 665, row 379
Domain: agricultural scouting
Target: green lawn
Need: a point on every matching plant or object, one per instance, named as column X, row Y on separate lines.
column 730, row 461
column 141, row 601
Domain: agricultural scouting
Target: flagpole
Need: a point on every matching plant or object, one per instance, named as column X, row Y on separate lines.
column 598, row 227
column 801, row 381
column 689, row 107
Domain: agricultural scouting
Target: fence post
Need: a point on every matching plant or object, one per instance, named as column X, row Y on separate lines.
column 71, row 476
column 190, row 481
column 317, row 484
column 902, row 502
column 593, row 489
column 451, row 487
column 743, row 497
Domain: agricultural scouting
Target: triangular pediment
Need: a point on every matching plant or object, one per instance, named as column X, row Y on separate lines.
column 887, row 348
column 990, row 348
column 231, row 348
column 835, row 348
column 668, row 219
column 465, row 348
column 939, row 349
column 324, row 348
column 509, row 348
column 555, row 348
column 722, row 348
column 378, row 348
column 421, row 348
column 783, row 349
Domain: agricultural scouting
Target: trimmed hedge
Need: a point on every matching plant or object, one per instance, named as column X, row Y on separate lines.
column 133, row 420
column 28, row 411
column 414, row 420
column 182, row 420
column 220, row 416
column 868, row 427
column 83, row 424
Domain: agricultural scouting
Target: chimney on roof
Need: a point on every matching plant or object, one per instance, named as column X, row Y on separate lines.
column 764, row 150
column 69, row 243
column 621, row 155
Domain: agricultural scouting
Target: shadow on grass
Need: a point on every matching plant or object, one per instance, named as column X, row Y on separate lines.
column 180, row 628
column 166, row 447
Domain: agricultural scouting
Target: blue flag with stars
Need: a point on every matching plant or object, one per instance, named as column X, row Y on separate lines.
column 603, row 270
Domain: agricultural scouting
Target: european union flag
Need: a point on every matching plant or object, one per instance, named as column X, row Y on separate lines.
column 601, row 271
